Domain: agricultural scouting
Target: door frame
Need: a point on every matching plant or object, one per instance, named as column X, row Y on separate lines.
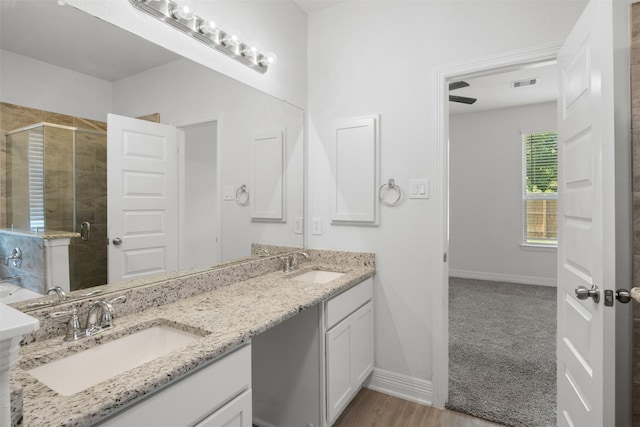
column 440, row 302
column 215, row 118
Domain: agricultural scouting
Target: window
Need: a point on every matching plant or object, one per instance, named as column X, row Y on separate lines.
column 540, row 188
column 36, row 179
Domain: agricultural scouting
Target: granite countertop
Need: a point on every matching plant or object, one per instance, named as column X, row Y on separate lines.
column 635, row 294
column 226, row 317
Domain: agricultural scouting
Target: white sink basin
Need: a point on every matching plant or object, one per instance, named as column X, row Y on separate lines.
column 87, row 368
column 317, row 276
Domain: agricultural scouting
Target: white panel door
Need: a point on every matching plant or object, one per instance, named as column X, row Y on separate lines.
column 142, row 205
column 586, row 250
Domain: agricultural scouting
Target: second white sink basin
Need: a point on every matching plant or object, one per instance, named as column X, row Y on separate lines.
column 87, row 368
column 318, row 276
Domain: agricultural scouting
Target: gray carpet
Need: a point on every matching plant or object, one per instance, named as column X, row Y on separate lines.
column 502, row 352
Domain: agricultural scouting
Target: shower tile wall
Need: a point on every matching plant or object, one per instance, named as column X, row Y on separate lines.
column 31, row 272
column 87, row 258
column 635, row 125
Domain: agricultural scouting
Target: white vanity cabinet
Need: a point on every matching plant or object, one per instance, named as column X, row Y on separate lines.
column 216, row 395
column 348, row 345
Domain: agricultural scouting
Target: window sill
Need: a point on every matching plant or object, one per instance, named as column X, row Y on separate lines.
column 538, row 248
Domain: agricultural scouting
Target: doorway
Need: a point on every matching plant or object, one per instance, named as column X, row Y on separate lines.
column 440, row 306
column 502, row 247
column 200, row 207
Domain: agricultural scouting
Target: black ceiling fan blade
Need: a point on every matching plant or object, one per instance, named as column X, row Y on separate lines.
column 462, row 99
column 458, row 85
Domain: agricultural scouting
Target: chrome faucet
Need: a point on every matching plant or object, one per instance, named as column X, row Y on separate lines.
column 99, row 318
column 291, row 261
column 97, row 323
column 15, row 258
column 62, row 296
column 294, row 259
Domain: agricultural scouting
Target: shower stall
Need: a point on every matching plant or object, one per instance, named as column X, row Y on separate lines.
column 56, row 180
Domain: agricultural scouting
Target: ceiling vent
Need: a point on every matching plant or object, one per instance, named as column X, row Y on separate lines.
column 525, row 82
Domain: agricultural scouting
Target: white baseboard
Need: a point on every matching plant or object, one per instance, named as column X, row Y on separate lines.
column 498, row 277
column 400, row 385
column 261, row 423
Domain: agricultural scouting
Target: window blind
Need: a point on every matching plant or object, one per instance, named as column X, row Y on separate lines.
column 541, row 173
column 540, row 188
column 36, row 179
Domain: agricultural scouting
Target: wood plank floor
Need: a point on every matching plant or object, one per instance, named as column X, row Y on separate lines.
column 370, row 408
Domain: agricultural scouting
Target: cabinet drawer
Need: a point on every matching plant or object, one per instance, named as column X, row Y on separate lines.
column 342, row 305
column 193, row 397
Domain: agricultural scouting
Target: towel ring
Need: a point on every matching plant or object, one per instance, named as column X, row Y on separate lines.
column 242, row 195
column 388, row 186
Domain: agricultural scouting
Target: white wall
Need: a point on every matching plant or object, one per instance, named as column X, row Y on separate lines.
column 277, row 25
column 379, row 57
column 485, row 196
column 27, row 82
column 199, row 95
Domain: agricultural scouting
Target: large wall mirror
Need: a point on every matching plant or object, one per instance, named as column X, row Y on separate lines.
column 53, row 130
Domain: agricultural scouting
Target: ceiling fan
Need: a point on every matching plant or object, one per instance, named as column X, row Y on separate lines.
column 462, row 99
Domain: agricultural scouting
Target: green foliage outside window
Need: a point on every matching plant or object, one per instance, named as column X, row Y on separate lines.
column 542, row 162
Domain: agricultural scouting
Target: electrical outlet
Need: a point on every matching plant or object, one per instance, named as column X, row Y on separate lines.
column 316, row 226
column 298, row 226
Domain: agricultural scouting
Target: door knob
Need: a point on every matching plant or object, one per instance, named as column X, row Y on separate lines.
column 117, row 241
column 584, row 293
column 623, row 295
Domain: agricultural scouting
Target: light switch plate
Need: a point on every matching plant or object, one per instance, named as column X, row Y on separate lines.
column 419, row 188
column 316, row 226
column 229, row 193
column 298, row 225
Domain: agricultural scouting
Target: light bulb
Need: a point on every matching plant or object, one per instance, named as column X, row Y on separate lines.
column 251, row 50
column 269, row 58
column 231, row 39
column 209, row 25
column 183, row 10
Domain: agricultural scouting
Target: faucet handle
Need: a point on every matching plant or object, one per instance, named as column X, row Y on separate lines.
column 74, row 331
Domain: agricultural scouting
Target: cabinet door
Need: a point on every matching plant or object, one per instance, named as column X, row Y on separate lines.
column 236, row 413
column 349, row 347
column 339, row 370
column 362, row 344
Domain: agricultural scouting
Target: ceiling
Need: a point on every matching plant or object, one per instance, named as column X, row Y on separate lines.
column 495, row 90
column 91, row 48
column 313, row 5
column 75, row 40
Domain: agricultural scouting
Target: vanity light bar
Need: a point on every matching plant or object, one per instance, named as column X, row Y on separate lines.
column 163, row 10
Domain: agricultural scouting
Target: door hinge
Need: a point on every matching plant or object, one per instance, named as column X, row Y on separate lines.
column 444, row 257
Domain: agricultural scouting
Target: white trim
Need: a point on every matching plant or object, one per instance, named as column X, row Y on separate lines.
column 261, row 423
column 499, row 277
column 538, row 248
column 399, row 385
column 440, row 297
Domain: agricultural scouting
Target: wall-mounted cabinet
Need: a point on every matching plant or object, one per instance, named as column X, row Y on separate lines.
column 268, row 176
column 354, row 159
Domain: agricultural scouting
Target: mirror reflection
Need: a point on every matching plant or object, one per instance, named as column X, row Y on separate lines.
column 131, row 161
